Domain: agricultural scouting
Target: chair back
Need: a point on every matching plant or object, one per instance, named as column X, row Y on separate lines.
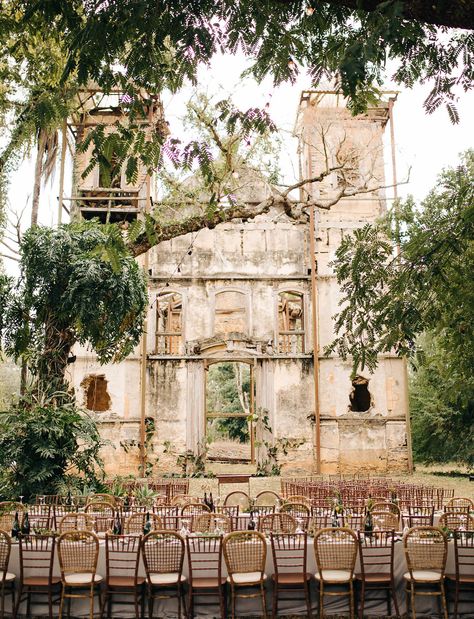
column 289, row 552
column 204, row 556
column 102, row 498
column 456, row 520
column 244, row 552
column 163, row 553
column 386, row 506
column 297, row 510
column 267, row 497
column 103, row 515
column 376, row 551
column 78, row 552
column 336, row 549
column 8, row 509
column 425, row 549
column 239, row 498
column 298, row 498
column 385, row 520
column 208, row 523
column 420, row 515
column 36, row 555
column 192, row 509
column 319, row 521
column 182, row 499
column 39, row 516
column 464, row 554
column 136, row 523
column 277, row 523
column 460, row 502
column 76, row 522
column 122, row 556
column 352, row 521
column 5, row 548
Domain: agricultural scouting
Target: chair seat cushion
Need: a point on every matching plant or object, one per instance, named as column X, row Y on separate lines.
column 247, row 578
column 166, row 579
column 9, row 577
column 423, row 576
column 124, row 581
column 82, row 579
column 41, row 581
column 334, row 575
column 207, row 583
column 291, row 579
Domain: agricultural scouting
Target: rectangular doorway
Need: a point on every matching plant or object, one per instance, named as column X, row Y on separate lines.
column 230, row 400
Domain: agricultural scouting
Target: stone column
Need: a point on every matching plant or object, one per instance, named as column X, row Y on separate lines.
column 195, row 405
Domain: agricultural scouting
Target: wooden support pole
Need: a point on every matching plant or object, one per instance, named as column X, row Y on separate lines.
column 405, row 368
column 143, row 346
column 61, row 171
column 314, row 317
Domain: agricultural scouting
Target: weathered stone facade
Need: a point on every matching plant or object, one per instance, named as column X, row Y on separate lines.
column 221, row 295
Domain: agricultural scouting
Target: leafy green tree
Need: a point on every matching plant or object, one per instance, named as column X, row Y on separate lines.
column 441, row 404
column 43, row 441
column 390, row 300
column 77, row 284
column 229, row 392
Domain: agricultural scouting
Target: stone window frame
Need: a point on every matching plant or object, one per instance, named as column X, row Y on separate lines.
column 306, row 318
column 248, row 307
column 170, row 290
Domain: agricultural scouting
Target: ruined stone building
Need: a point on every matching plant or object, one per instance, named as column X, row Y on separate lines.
column 239, row 300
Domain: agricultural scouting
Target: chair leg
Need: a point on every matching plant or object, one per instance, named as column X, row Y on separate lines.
column 150, row 602
column 232, row 593
column 3, row 599
column 412, row 595
column 28, row 603
column 395, row 601
column 456, row 599
column 321, row 599
column 91, row 602
column 105, row 600
column 362, row 599
column 50, row 602
column 190, row 602
column 443, row 601
column 16, row 608
column 351, row 599
column 307, row 595
column 136, row 594
column 264, row 601
column 61, row 603
column 275, row 599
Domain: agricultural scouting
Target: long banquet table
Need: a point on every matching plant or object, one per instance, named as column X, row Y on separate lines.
column 426, row 606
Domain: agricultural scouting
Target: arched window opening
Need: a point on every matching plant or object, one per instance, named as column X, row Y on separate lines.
column 291, row 324
column 169, row 317
column 230, row 312
column 360, row 397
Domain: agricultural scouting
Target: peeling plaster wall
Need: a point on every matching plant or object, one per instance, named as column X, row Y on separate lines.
column 260, row 258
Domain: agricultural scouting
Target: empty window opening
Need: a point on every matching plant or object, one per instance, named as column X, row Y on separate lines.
column 169, row 316
column 97, row 396
column 291, row 327
column 230, row 312
column 360, row 397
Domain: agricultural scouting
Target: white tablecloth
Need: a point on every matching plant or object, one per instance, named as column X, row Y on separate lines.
column 426, row 606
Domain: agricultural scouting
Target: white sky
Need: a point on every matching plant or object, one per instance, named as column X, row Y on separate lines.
column 424, row 143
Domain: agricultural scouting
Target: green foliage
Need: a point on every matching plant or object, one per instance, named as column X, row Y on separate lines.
column 78, row 284
column 441, row 403
column 387, row 302
column 224, row 395
column 160, row 45
column 45, row 441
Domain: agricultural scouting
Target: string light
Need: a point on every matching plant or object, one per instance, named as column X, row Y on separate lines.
column 291, row 64
column 309, row 11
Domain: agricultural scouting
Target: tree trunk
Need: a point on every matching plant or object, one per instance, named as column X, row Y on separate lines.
column 38, row 175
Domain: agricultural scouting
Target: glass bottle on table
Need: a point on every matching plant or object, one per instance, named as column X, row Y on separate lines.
column 147, row 527
column 251, row 524
column 16, row 527
column 212, row 507
column 335, row 519
column 117, row 528
column 25, row 527
column 368, row 524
